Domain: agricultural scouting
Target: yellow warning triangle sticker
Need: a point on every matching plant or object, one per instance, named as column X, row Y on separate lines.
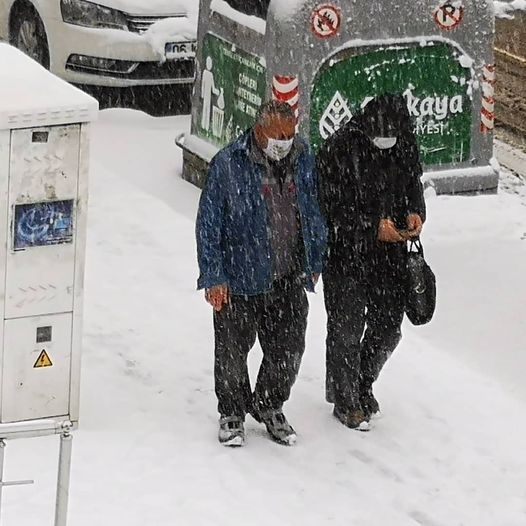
column 43, row 361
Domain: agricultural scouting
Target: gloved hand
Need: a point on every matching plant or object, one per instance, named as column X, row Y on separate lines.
column 218, row 297
column 388, row 233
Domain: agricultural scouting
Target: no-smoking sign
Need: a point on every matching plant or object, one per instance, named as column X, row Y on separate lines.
column 449, row 16
column 326, row 21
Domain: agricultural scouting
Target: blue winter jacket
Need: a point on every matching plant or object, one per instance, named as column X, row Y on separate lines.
column 233, row 242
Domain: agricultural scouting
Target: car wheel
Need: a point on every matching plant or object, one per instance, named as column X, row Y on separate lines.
column 29, row 35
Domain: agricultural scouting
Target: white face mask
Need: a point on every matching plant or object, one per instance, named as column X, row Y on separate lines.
column 384, row 143
column 278, row 150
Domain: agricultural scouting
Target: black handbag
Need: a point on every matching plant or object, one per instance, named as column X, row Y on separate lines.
column 421, row 290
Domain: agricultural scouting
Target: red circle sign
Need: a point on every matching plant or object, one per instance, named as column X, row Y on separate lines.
column 326, row 21
column 449, row 15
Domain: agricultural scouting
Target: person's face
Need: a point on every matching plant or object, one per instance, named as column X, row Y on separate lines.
column 276, row 127
column 383, row 127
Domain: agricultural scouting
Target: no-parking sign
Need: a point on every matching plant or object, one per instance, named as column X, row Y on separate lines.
column 326, row 21
column 449, row 16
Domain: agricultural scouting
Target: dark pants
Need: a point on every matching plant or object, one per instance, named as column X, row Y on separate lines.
column 279, row 320
column 365, row 308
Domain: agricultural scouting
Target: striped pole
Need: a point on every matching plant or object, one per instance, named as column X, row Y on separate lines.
column 488, row 99
column 286, row 89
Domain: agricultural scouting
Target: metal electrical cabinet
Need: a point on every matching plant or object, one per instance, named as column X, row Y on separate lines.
column 43, row 201
column 44, row 135
column 43, row 274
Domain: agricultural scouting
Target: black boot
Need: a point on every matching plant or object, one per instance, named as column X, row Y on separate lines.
column 369, row 403
column 352, row 418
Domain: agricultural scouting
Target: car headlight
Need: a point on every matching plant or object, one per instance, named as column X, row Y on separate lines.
column 89, row 14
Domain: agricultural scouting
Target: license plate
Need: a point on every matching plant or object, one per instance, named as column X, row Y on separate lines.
column 175, row 50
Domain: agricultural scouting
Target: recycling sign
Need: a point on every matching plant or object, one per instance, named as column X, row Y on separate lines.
column 233, row 87
column 432, row 80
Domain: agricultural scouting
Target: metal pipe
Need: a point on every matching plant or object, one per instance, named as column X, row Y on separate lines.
column 64, row 472
column 18, row 483
column 2, row 455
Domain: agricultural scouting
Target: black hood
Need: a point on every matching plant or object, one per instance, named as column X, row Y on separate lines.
column 384, row 116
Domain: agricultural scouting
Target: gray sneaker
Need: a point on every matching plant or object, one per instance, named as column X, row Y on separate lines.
column 231, row 431
column 277, row 426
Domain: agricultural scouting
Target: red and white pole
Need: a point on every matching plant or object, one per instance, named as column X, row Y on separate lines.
column 286, row 89
column 488, row 99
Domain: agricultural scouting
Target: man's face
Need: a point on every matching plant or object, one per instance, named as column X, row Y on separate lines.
column 276, row 127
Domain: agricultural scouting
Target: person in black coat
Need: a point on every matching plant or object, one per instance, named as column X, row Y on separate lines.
column 373, row 201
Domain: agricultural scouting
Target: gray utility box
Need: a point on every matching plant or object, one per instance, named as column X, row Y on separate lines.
column 43, row 206
column 327, row 59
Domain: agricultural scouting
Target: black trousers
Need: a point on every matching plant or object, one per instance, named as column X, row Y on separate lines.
column 279, row 320
column 365, row 308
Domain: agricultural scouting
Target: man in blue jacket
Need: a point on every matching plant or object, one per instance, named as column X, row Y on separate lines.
column 261, row 241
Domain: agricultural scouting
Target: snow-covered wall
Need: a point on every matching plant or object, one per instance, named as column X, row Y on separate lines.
column 285, row 9
column 506, row 9
column 253, row 22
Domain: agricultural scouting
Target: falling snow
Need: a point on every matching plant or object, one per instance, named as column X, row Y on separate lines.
column 449, row 447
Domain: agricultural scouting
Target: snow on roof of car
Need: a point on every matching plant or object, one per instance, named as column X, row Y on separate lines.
column 31, row 96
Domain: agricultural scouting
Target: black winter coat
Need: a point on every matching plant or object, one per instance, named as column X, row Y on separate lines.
column 361, row 184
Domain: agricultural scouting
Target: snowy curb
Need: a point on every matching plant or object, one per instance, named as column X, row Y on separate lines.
column 511, row 158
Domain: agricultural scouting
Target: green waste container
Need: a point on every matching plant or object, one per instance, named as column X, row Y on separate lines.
column 327, row 59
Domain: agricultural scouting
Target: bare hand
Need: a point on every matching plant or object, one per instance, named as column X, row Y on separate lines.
column 388, row 233
column 315, row 278
column 414, row 226
column 218, row 297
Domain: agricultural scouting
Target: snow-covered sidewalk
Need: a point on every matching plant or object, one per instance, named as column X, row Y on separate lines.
column 449, row 450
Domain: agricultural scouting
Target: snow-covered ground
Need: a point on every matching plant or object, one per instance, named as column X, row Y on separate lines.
column 449, row 450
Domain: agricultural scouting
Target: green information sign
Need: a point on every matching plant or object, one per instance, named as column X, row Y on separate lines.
column 233, row 86
column 432, row 80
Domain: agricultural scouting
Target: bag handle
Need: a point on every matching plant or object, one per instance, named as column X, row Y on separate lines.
column 416, row 246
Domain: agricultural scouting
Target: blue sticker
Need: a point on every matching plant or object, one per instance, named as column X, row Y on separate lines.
column 43, row 224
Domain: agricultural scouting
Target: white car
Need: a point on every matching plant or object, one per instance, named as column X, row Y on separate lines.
column 116, row 43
